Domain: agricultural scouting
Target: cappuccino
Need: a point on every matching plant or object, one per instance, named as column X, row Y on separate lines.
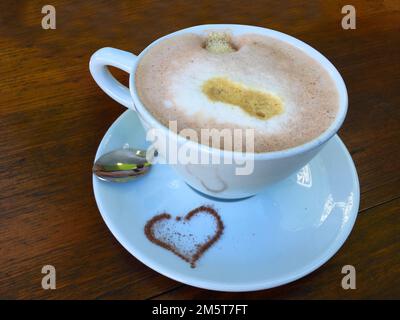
column 243, row 82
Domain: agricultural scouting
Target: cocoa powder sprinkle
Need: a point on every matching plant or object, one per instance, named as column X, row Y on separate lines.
column 201, row 248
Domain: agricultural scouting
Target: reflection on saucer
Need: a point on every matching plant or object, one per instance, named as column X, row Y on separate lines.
column 304, row 177
column 330, row 204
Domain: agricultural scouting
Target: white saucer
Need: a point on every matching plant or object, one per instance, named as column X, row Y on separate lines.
column 273, row 238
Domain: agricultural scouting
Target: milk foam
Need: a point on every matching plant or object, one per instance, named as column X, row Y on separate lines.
column 190, row 100
column 170, row 76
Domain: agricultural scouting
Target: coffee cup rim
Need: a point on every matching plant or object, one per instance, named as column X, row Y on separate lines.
column 237, row 29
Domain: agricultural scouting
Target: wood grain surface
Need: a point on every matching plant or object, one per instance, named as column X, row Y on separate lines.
column 53, row 116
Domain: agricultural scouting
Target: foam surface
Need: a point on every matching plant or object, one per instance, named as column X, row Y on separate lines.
column 170, row 77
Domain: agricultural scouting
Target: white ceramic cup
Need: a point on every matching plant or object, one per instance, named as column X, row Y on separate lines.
column 219, row 180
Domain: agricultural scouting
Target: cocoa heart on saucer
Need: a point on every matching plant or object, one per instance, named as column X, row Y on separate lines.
column 188, row 237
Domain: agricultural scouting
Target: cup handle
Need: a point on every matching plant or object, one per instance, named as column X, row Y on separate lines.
column 98, row 68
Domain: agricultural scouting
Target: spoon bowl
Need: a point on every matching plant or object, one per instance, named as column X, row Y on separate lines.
column 121, row 165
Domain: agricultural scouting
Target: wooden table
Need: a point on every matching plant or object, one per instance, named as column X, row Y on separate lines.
column 53, row 116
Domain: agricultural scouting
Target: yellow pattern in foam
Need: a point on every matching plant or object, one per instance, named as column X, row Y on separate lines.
column 259, row 104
